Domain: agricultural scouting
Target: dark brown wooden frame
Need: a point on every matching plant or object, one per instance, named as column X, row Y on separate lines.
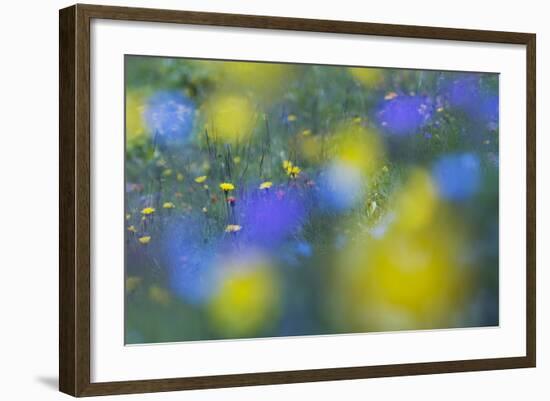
column 74, row 199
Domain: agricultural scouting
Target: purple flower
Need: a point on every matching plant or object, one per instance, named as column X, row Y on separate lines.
column 466, row 94
column 404, row 115
column 269, row 218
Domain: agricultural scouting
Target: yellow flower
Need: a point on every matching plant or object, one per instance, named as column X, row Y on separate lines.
column 179, row 177
column 201, row 179
column 357, row 120
column 159, row 295
column 266, row 185
column 246, row 298
column 168, row 205
column 306, row 132
column 368, row 77
column 236, row 160
column 204, row 210
column 293, row 171
column 128, row 216
column 132, row 229
column 148, row 210
column 385, row 169
column 132, row 283
column 290, row 169
column 144, row 240
column 234, row 116
column 227, row 186
column 232, row 228
column 291, row 117
column 167, row 172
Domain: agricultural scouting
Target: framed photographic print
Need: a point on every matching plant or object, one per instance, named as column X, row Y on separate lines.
column 251, row 200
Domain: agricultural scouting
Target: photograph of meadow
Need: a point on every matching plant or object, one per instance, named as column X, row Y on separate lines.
column 271, row 199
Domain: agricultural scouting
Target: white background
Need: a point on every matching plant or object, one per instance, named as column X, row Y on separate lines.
column 28, row 228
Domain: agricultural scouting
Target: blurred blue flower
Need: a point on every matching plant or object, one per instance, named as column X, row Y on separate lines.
column 404, row 115
column 295, row 254
column 340, row 187
column 304, row 249
column 269, row 218
column 466, row 94
column 190, row 261
column 457, row 176
column 170, row 115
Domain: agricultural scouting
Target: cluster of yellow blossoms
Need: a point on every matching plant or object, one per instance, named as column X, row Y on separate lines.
column 291, row 170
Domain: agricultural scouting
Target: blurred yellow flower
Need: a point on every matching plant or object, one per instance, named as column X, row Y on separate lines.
column 266, row 185
column 168, row 205
column 414, row 275
column 204, row 210
column 148, row 210
column 132, row 229
column 132, row 282
column 227, row 186
column 135, row 123
column 291, row 117
column 128, row 216
column 306, row 132
column 144, row 240
column 201, row 179
column 231, row 117
column 159, row 295
column 416, row 202
column 167, row 172
column 368, row 77
column 357, row 146
column 233, row 228
column 179, row 177
column 248, row 297
column 264, row 80
column 236, row 160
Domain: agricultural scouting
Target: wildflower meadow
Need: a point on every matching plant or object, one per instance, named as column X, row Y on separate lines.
column 269, row 199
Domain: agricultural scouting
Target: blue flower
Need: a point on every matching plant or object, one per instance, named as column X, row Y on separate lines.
column 170, row 115
column 304, row 249
column 190, row 261
column 404, row 115
column 457, row 176
column 340, row 187
column 466, row 94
